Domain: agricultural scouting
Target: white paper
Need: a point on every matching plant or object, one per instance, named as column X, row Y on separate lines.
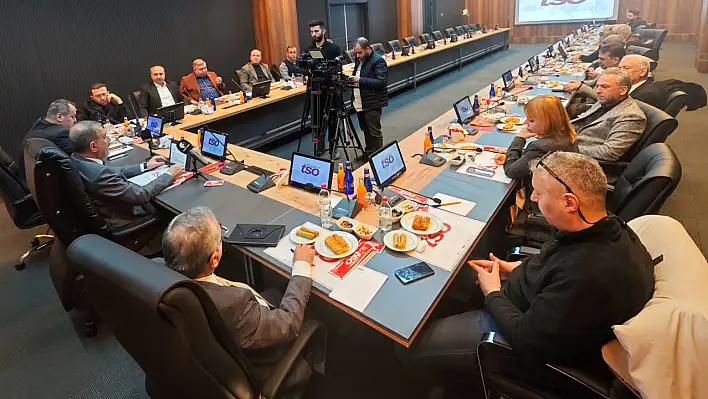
column 144, row 179
column 485, row 160
column 359, row 288
column 119, row 151
column 463, row 208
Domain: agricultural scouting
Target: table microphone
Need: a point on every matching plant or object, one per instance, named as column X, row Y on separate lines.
column 186, row 147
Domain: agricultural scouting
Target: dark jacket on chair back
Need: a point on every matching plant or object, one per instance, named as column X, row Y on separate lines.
column 57, row 134
column 373, row 81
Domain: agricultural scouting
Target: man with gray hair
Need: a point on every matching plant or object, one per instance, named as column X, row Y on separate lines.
column 55, row 125
column 558, row 306
column 192, row 246
column 117, row 199
column 643, row 87
column 614, row 123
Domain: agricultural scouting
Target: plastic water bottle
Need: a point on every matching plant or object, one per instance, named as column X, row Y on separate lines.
column 325, row 207
column 385, row 215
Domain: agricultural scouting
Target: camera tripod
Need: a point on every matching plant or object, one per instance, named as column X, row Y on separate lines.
column 345, row 136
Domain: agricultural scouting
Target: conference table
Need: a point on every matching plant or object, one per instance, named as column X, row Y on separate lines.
column 397, row 311
column 264, row 120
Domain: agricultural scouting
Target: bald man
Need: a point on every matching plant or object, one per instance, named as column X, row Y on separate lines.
column 159, row 93
column 201, row 83
column 255, row 71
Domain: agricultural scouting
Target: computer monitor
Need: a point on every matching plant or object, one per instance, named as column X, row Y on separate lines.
column 562, row 52
column 177, row 157
column 550, row 51
column 533, row 65
column 309, row 173
column 213, row 144
column 171, row 113
column 508, row 80
column 387, row 164
column 261, row 89
column 464, row 111
column 154, row 124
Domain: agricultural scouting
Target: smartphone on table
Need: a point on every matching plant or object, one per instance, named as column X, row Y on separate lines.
column 413, row 273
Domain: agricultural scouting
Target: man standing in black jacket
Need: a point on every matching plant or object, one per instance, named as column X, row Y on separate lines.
column 371, row 95
column 558, row 306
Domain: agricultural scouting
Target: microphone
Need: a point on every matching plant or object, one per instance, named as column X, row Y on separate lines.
column 236, row 83
column 137, row 116
column 185, row 147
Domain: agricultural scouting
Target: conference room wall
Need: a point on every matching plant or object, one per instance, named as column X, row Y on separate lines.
column 449, row 14
column 383, row 19
column 57, row 49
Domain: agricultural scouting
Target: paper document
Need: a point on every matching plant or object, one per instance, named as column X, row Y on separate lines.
column 359, row 288
column 119, row 151
column 463, row 208
column 144, row 179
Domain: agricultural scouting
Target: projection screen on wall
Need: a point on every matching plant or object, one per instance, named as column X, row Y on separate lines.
column 563, row 11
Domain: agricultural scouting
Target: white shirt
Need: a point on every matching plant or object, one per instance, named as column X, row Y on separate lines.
column 357, row 92
column 165, row 95
column 300, row 268
column 635, row 86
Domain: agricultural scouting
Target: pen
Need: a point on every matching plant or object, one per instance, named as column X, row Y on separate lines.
column 447, row 204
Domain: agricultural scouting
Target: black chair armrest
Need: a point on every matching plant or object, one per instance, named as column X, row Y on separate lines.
column 133, row 227
column 281, row 370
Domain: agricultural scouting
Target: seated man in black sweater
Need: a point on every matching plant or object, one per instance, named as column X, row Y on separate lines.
column 558, row 306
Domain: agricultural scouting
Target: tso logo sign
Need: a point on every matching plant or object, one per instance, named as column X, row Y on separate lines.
column 310, row 170
column 386, row 162
column 546, row 3
column 213, row 141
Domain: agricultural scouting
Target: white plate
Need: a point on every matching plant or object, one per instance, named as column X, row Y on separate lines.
column 301, row 240
column 411, row 241
column 323, row 250
column 501, row 127
column 520, row 122
column 435, row 223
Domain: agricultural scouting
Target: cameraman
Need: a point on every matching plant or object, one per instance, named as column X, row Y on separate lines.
column 371, row 95
column 330, row 51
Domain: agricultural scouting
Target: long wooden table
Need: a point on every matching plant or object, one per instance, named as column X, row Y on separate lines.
column 397, row 311
column 261, row 121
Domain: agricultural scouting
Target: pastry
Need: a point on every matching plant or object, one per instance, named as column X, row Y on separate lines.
column 513, row 120
column 399, row 240
column 499, row 159
column 508, row 126
column 421, row 223
column 307, row 233
column 337, row 244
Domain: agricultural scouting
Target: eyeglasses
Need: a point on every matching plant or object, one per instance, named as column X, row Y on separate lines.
column 559, row 180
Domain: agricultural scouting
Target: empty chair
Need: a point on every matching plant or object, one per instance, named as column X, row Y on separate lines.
column 438, row 35
column 395, row 45
column 653, row 38
column 349, row 56
column 19, row 203
column 171, row 327
column 460, row 30
column 379, row 48
column 275, row 71
column 425, row 38
column 675, row 102
column 659, row 126
column 410, row 41
column 449, row 32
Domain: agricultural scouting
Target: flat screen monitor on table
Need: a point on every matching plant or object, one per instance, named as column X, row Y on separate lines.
column 171, row 113
column 387, row 164
column 508, row 79
column 154, row 124
column 464, row 111
column 213, row 144
column 310, row 173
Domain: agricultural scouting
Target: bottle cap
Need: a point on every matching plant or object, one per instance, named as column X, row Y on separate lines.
column 366, row 170
column 384, row 198
column 324, row 185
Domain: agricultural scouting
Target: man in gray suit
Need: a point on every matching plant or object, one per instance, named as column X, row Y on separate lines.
column 613, row 124
column 254, row 71
column 118, row 200
column 262, row 328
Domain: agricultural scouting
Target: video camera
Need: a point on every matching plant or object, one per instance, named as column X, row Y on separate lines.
column 326, row 72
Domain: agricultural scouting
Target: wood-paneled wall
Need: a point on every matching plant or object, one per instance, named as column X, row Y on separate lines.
column 680, row 17
column 276, row 27
column 410, row 18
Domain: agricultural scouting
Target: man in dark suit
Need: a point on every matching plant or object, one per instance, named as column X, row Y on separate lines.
column 102, row 105
column 55, row 126
column 117, row 199
column 643, row 87
column 371, row 95
column 201, row 83
column 159, row 93
column 262, row 328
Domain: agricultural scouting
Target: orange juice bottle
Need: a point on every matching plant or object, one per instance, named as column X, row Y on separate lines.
column 361, row 193
column 427, row 143
column 340, row 177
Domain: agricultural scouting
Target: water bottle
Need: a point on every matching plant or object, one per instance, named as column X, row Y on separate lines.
column 370, row 194
column 385, row 215
column 348, row 179
column 201, row 105
column 492, row 91
column 325, row 208
column 521, row 72
column 475, row 105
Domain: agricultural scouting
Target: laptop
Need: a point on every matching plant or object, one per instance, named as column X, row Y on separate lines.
column 261, row 89
column 171, row 113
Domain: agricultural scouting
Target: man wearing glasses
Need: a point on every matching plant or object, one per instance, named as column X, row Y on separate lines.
column 558, row 306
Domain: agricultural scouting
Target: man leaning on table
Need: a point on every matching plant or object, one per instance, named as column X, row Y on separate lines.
column 254, row 72
column 262, row 327
column 558, row 306
column 158, row 93
column 201, row 84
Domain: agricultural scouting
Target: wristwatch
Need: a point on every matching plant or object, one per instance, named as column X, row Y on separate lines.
column 145, row 166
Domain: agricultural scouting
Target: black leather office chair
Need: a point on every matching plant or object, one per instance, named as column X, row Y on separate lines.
column 460, row 30
column 647, row 52
column 349, row 56
column 170, row 326
column 651, row 25
column 659, row 126
column 425, row 38
column 275, row 71
column 19, row 204
column 438, row 35
column 410, row 41
column 135, row 98
column 675, row 102
column 395, row 46
column 653, row 38
column 60, row 196
column 449, row 32
column 379, row 48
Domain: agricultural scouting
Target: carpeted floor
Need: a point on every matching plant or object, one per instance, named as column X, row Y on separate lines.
column 43, row 356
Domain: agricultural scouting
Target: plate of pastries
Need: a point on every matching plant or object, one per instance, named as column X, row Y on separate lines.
column 303, row 235
column 336, row 245
column 401, row 241
column 421, row 223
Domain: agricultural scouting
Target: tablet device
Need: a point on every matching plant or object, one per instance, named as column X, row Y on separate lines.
column 310, row 173
column 176, row 156
column 508, row 80
column 171, row 113
column 260, row 235
column 533, row 65
column 261, row 89
column 154, row 125
column 387, row 164
column 464, row 111
column 562, row 52
column 213, row 144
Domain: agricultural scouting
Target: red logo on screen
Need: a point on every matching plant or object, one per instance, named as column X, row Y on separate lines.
column 545, row 3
